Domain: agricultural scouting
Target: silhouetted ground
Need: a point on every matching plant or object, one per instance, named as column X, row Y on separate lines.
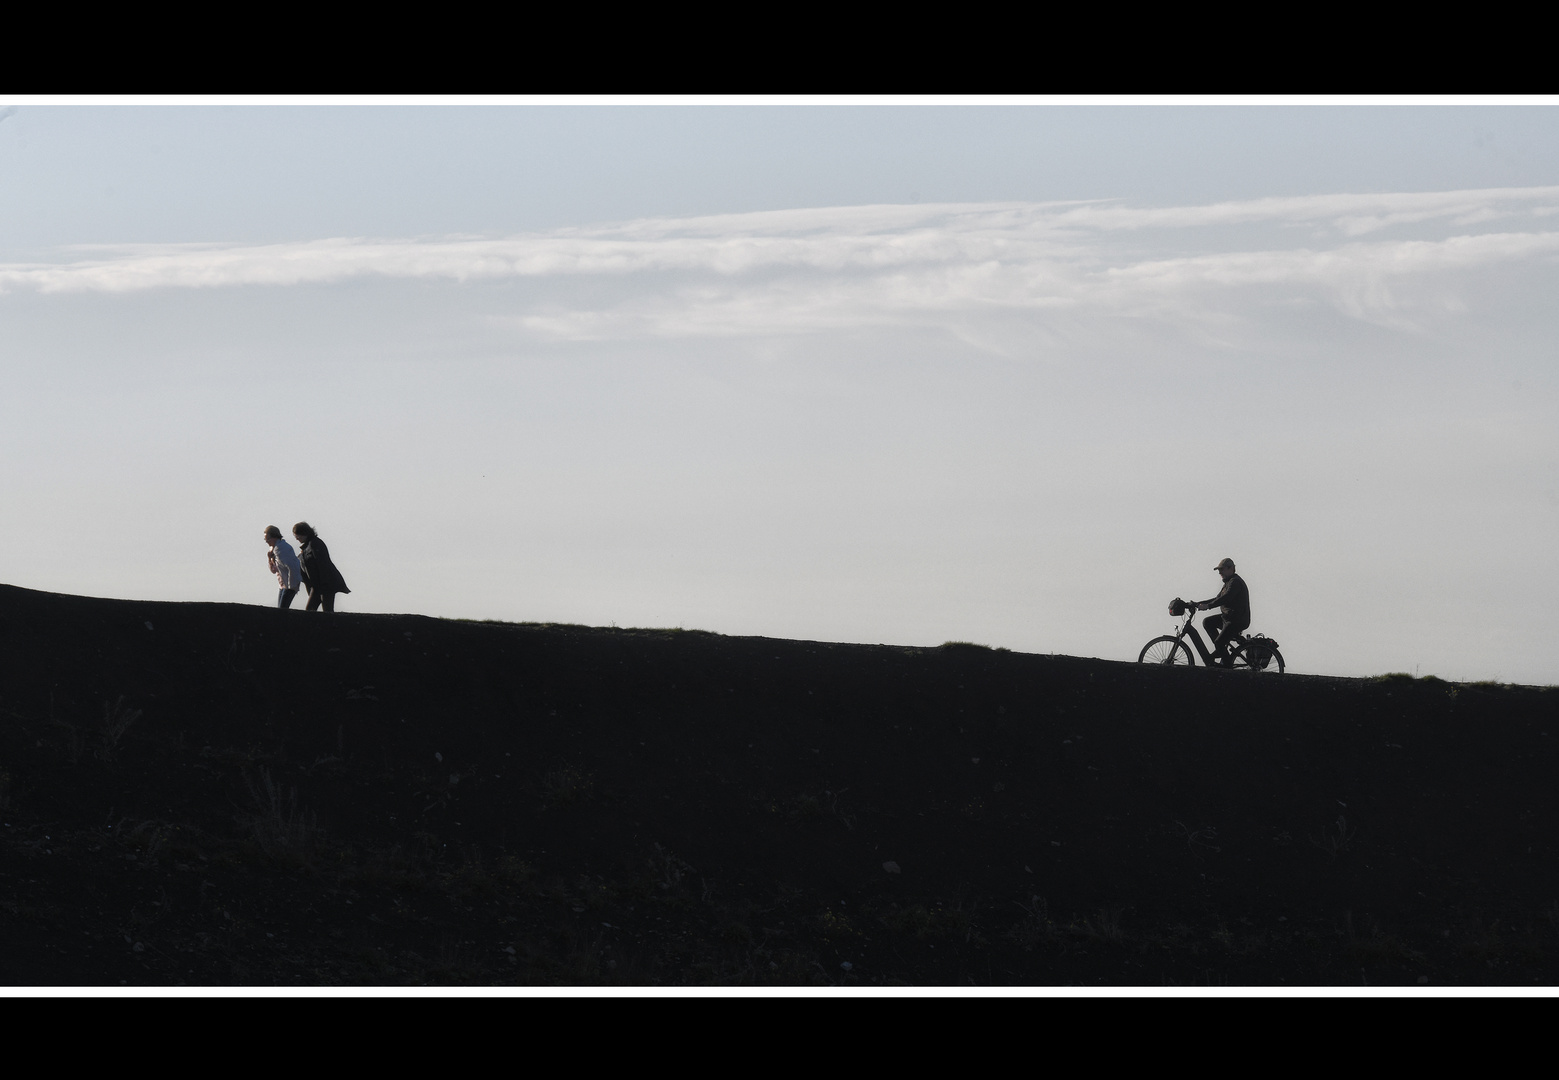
column 220, row 794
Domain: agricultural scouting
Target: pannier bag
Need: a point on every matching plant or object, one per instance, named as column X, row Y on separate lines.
column 1259, row 651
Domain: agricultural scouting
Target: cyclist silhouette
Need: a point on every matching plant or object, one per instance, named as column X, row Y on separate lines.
column 1233, row 602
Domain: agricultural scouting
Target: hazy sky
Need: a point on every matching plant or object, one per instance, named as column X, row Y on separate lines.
column 1008, row 374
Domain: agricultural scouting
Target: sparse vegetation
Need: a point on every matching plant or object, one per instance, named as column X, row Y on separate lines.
column 565, row 785
column 1106, row 926
column 1036, row 927
column 1197, row 839
column 280, row 828
column 1336, row 839
column 823, row 805
column 116, row 721
column 666, row 869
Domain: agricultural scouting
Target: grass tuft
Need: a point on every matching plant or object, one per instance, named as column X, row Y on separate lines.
column 565, row 784
column 116, row 721
column 280, row 829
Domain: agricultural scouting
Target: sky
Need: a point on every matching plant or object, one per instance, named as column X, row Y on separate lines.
column 1016, row 374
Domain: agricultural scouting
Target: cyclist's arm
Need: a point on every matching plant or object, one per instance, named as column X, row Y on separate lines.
column 1217, row 601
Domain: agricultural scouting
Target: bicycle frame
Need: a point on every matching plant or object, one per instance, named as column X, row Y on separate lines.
column 1196, row 638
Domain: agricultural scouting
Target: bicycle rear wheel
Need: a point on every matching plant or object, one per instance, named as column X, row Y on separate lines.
column 1255, row 655
column 1166, row 650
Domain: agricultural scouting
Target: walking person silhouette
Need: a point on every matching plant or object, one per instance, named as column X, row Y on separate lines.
column 283, row 562
column 320, row 575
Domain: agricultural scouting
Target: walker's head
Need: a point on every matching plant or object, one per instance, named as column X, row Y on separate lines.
column 272, row 533
column 303, row 531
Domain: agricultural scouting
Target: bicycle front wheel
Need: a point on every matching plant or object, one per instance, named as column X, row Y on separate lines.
column 1170, row 651
column 1254, row 656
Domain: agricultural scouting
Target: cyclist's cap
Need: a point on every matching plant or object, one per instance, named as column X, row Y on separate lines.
column 1226, row 562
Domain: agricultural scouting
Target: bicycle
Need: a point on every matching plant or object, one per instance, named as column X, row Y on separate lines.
column 1254, row 654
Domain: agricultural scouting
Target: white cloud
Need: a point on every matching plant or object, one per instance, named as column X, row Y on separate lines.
column 1351, row 215
column 1350, row 264
column 814, row 269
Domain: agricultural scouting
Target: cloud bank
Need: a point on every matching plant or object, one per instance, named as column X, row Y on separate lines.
column 814, row 269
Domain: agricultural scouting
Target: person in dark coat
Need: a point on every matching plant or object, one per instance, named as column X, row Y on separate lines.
column 1233, row 604
column 320, row 575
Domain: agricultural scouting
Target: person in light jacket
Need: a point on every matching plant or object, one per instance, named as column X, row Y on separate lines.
column 284, row 564
column 320, row 575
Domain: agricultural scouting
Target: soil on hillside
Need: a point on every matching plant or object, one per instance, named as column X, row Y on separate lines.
column 221, row 794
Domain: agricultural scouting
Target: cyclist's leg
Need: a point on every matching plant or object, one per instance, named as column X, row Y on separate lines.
column 1226, row 635
column 1211, row 626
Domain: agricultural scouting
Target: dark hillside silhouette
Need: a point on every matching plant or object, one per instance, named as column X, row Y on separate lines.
column 215, row 793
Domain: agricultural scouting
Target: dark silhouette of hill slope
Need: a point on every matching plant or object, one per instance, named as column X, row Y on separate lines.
column 214, row 793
